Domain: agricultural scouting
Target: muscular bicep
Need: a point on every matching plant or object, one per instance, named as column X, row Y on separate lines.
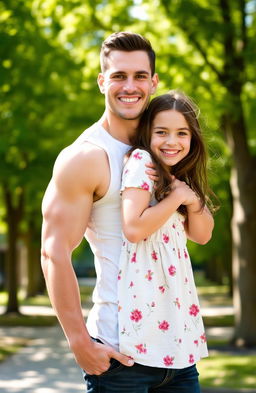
column 67, row 203
column 65, row 219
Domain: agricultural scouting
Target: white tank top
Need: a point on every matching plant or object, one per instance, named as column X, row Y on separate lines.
column 104, row 234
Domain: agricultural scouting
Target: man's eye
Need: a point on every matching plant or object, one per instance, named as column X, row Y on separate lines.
column 141, row 76
column 118, row 77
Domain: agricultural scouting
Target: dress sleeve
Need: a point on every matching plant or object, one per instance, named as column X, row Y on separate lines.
column 134, row 174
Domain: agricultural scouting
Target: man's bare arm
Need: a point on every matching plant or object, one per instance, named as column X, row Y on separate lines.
column 66, row 209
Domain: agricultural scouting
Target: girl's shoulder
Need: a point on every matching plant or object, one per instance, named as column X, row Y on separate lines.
column 140, row 154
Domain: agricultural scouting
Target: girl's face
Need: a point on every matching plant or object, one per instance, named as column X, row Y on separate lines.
column 171, row 137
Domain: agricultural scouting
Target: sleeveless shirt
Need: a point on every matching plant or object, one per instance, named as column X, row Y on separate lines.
column 104, row 234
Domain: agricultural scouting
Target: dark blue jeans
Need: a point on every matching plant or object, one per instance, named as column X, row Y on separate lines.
column 143, row 379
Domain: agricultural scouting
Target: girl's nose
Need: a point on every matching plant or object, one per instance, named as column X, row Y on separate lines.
column 172, row 140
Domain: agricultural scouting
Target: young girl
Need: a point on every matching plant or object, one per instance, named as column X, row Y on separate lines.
column 159, row 315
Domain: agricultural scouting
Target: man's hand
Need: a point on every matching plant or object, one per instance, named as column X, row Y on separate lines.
column 152, row 172
column 95, row 360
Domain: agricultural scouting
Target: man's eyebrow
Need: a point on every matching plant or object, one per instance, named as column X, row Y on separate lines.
column 142, row 72
column 124, row 72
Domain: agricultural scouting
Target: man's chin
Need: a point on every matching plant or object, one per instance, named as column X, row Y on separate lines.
column 134, row 116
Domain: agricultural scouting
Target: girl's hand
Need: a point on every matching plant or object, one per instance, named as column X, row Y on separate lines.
column 152, row 172
column 187, row 195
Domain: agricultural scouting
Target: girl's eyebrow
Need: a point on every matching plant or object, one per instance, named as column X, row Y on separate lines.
column 160, row 127
column 166, row 128
column 183, row 128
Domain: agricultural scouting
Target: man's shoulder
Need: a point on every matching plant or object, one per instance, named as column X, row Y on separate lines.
column 78, row 164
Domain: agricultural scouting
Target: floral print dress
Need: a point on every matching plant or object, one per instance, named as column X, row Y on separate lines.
column 159, row 315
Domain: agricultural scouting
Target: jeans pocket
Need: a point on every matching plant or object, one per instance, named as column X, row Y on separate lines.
column 115, row 366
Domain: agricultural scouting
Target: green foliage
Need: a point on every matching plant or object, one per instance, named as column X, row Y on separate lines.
column 231, row 371
column 48, row 93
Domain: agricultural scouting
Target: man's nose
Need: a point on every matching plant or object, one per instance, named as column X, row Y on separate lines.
column 129, row 85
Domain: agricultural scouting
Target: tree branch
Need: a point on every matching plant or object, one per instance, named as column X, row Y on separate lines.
column 203, row 53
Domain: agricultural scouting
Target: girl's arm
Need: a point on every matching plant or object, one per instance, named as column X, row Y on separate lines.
column 199, row 223
column 138, row 219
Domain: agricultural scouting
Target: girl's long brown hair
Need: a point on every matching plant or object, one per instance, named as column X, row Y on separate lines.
column 192, row 168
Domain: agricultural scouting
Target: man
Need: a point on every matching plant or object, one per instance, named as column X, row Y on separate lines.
column 83, row 198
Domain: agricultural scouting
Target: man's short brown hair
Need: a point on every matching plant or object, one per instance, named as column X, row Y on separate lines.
column 127, row 42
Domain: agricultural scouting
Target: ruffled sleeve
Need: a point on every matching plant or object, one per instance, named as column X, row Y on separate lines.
column 134, row 172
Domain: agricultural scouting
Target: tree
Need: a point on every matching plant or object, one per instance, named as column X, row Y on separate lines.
column 39, row 85
column 228, row 26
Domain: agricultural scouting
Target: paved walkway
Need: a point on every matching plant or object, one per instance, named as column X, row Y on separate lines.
column 44, row 366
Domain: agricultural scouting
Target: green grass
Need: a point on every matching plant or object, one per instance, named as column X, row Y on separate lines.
column 228, row 370
column 219, row 321
column 43, row 300
column 10, row 345
column 27, row 320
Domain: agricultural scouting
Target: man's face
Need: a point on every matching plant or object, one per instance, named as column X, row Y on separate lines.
column 127, row 84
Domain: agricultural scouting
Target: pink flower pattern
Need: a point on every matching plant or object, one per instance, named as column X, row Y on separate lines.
column 133, row 260
column 169, row 312
column 154, row 256
column 164, row 325
column 137, row 156
column 136, row 315
column 149, row 275
column 203, row 338
column 193, row 310
column 168, row 360
column 145, row 186
column 172, row 270
column 165, row 238
column 141, row 348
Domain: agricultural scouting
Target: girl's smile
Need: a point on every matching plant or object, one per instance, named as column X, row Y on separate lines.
column 171, row 137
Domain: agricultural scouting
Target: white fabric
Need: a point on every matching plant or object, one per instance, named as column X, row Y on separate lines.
column 159, row 319
column 105, row 239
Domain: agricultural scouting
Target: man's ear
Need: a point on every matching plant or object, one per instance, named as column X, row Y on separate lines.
column 155, row 81
column 101, row 81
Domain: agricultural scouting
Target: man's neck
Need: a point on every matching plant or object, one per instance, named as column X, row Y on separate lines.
column 120, row 129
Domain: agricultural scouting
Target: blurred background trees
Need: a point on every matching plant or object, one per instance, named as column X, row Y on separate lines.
column 48, row 96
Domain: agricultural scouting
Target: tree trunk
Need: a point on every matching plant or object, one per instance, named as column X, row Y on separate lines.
column 35, row 277
column 244, row 266
column 243, row 185
column 14, row 215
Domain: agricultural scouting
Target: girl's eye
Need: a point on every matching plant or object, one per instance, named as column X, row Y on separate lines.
column 183, row 133
column 160, row 132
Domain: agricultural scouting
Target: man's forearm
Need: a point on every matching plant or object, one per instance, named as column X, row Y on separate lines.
column 64, row 295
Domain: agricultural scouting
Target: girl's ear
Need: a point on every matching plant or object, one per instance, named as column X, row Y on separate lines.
column 155, row 81
column 101, row 81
